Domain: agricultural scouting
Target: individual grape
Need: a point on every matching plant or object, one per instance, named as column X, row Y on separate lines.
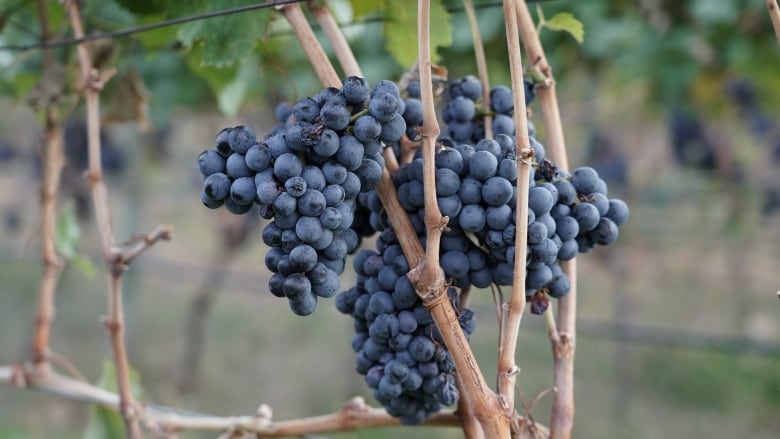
column 496, row 191
column 312, row 203
column 329, row 286
column 503, row 124
column 241, row 138
column 586, row 215
column 296, row 286
column 413, row 89
column 367, row 129
column 235, row 208
column 209, row 202
column 462, row 109
column 304, row 305
column 308, row 229
column 328, row 143
column 295, row 186
column 537, row 232
column 455, row 264
column 585, row 180
column 470, row 191
column 334, row 115
column 210, row 162
column 350, row 153
column 268, row 192
column 258, row 158
column 618, row 211
column 355, row 90
column 472, row 218
column 315, row 178
column 483, row 165
column 303, row 258
column 221, row 143
column 605, row 232
column 383, row 106
column 283, row 111
column 540, row 200
column 306, row 110
column 568, row 250
column 501, row 100
column 217, row 186
column 421, row 348
column 242, row 191
column 393, row 129
column 334, row 172
column 567, row 228
column 600, row 201
column 287, row 166
column 235, row 166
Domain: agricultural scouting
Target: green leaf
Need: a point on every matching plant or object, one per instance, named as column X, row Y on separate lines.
column 225, row 40
column 67, row 232
column 401, row 30
column 104, row 423
column 566, row 22
column 232, row 95
column 361, row 8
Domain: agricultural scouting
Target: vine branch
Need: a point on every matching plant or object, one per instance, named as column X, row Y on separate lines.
column 507, row 369
column 354, row 414
column 482, row 70
column 303, row 31
column 336, row 38
column 52, row 170
column 427, row 276
column 562, row 416
column 116, row 259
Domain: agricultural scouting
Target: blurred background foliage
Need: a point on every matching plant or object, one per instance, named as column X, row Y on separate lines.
column 673, row 102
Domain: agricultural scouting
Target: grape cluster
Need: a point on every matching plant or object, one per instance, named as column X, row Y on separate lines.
column 398, row 347
column 464, row 122
column 306, row 175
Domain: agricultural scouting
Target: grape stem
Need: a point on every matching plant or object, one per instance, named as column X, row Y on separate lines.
column 562, row 416
column 507, row 369
column 117, row 257
column 774, row 14
column 552, row 326
column 482, row 70
column 52, row 170
column 336, row 38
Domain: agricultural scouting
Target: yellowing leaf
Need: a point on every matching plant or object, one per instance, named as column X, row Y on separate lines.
column 566, row 22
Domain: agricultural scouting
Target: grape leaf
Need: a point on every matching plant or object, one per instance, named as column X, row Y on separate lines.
column 566, row 22
column 361, row 8
column 104, row 423
column 232, row 95
column 401, row 30
column 225, row 40
column 67, row 233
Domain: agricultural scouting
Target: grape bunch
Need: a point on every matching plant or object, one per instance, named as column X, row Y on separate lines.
column 464, row 122
column 305, row 176
column 398, row 347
